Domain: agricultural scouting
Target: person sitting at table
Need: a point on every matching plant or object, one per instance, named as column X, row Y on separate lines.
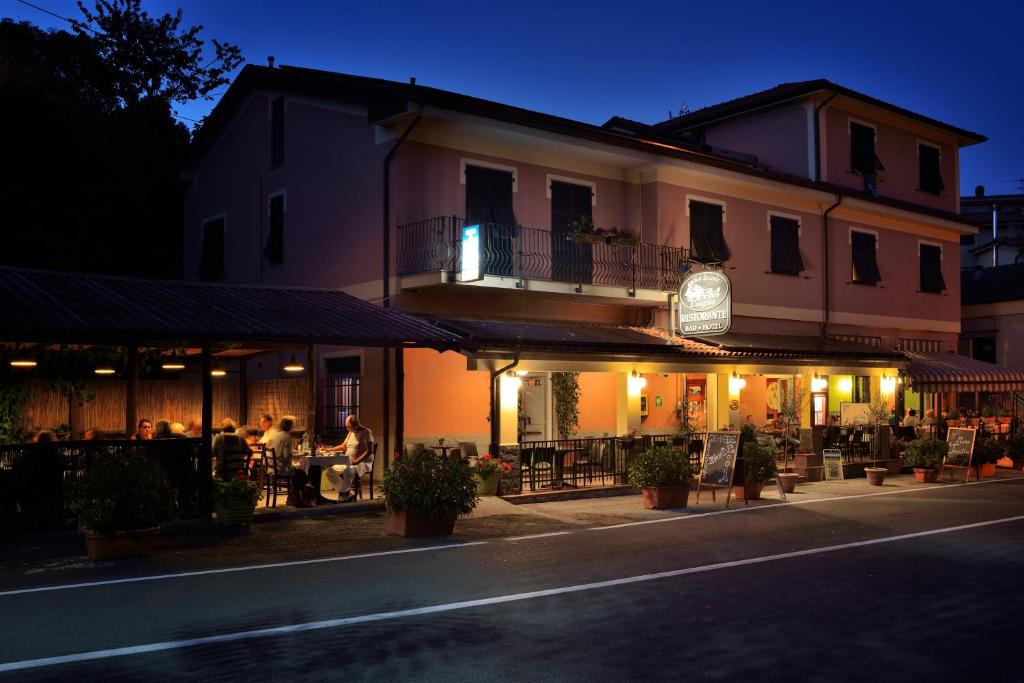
column 179, row 428
column 911, row 420
column 357, row 446
column 162, row 430
column 268, row 428
column 228, row 441
column 145, row 430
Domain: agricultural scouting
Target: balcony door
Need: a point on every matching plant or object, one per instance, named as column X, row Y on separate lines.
column 489, row 204
column 570, row 261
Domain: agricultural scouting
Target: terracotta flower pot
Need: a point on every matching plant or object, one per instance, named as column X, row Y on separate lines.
column 925, row 476
column 405, row 524
column 875, row 475
column 119, row 545
column 788, row 481
column 748, row 491
column 487, row 486
column 665, row 497
column 234, row 512
column 988, row 469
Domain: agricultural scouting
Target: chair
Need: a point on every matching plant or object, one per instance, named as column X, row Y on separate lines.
column 586, row 461
column 468, row 450
column 542, row 467
column 234, row 461
column 276, row 483
column 357, row 482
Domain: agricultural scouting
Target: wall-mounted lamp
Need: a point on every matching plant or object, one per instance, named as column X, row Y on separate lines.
column 521, row 373
column 846, row 385
column 888, row 385
column 819, row 384
column 736, row 383
column 293, row 365
column 638, row 380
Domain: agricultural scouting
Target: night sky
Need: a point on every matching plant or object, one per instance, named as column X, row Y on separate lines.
column 958, row 62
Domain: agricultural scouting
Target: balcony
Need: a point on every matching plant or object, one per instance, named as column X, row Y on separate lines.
column 526, row 258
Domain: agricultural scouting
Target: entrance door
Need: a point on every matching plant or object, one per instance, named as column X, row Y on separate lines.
column 570, row 261
column 489, row 204
column 534, row 415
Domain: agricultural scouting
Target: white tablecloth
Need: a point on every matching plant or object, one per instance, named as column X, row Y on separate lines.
column 304, row 461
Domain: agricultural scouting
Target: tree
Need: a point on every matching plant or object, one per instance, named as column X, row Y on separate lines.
column 92, row 174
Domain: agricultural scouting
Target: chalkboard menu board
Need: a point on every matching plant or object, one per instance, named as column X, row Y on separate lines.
column 718, row 461
column 833, row 460
column 961, row 444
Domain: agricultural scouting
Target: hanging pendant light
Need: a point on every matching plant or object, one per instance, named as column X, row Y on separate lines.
column 218, row 372
column 104, row 371
column 293, row 365
column 23, row 363
column 174, row 365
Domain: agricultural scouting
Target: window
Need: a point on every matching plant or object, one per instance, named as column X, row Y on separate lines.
column 570, row 261
column 863, row 159
column 211, row 265
column 984, row 349
column 707, row 241
column 277, row 132
column 931, row 269
column 786, row 258
column 489, row 204
column 273, row 251
column 861, row 389
column 865, row 266
column 930, row 178
column 341, row 392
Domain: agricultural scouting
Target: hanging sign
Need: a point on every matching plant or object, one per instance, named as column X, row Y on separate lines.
column 705, row 304
column 470, row 254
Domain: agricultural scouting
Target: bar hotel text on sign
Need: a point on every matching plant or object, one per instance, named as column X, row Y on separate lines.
column 705, row 303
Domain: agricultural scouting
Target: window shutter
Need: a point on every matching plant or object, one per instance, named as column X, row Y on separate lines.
column 865, row 266
column 930, row 176
column 273, row 251
column 863, row 158
column 786, row 257
column 707, row 241
column 931, row 269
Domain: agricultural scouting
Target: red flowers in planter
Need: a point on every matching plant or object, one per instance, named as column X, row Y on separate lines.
column 487, row 465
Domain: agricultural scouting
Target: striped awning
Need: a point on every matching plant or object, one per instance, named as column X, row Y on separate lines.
column 936, row 372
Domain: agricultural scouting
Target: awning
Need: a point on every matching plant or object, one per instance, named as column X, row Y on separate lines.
column 936, row 372
column 78, row 308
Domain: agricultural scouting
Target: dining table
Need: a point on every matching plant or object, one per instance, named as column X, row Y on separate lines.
column 313, row 466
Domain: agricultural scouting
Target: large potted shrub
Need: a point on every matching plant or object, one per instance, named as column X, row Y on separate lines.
column 425, row 493
column 758, row 469
column 663, row 474
column 987, row 452
column 925, row 455
column 121, row 501
column 487, row 471
column 1016, row 451
column 234, row 502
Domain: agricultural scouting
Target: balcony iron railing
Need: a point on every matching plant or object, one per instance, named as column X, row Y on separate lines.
column 531, row 253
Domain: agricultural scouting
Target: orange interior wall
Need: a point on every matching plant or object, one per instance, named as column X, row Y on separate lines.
column 668, row 389
column 754, row 399
column 597, row 402
column 441, row 396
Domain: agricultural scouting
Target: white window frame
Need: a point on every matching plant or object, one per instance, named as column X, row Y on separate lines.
column 707, row 200
column 849, row 127
column 553, row 177
column 942, row 254
column 864, row 230
column 790, row 216
column 464, row 162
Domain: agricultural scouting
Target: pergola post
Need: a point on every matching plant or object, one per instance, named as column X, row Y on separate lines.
column 206, row 448
column 243, row 391
column 131, row 387
column 399, row 399
column 311, row 422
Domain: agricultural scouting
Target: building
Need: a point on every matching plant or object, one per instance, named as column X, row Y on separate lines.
column 834, row 214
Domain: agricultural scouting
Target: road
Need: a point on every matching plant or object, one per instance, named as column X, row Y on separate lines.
column 924, row 584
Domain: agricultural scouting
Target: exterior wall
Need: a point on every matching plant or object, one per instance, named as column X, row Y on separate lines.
column 897, row 149
column 445, row 400
column 662, row 419
column 1003, row 320
column 597, row 403
column 778, row 138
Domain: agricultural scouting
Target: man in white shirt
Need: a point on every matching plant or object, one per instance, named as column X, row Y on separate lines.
column 268, row 428
column 358, row 445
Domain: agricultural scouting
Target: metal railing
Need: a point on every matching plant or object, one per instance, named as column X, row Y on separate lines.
column 531, row 253
column 35, row 478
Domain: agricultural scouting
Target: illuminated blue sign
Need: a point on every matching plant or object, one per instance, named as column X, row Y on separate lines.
column 470, row 253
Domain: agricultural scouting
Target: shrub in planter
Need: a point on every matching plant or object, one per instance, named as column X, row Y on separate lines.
column 663, row 473
column 488, row 470
column 120, row 502
column 758, row 468
column 924, row 455
column 987, row 453
column 1016, row 449
column 425, row 493
column 235, row 501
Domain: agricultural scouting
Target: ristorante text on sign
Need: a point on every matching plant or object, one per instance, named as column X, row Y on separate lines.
column 705, row 303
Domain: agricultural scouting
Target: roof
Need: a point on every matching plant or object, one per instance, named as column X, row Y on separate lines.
column 49, row 306
column 618, row 340
column 938, row 372
column 387, row 98
column 790, row 91
column 989, row 285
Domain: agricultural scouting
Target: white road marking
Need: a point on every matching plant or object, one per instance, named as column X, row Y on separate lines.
column 341, row 558
column 229, row 570
column 468, row 604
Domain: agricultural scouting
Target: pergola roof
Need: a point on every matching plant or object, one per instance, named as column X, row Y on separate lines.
column 50, row 306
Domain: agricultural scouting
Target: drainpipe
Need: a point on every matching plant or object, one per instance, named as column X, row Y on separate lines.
column 495, row 445
column 386, row 270
column 995, row 234
column 817, row 137
column 825, row 266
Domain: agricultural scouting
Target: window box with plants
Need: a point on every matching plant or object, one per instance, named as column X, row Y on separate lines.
column 425, row 493
column 758, row 469
column 234, row 502
column 121, row 501
column 487, row 472
column 987, row 452
column 925, row 455
column 663, row 475
column 583, row 230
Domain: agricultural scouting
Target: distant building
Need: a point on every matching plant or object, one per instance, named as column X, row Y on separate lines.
column 1000, row 222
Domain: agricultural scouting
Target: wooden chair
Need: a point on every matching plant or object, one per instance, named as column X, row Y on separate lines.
column 357, row 482
column 276, row 483
column 233, row 462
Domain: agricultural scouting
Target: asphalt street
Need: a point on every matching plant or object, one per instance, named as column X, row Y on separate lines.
column 921, row 584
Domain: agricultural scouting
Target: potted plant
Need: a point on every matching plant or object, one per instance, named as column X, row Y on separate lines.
column 487, row 472
column 875, row 475
column 583, row 230
column 924, row 455
column 663, row 474
column 954, row 418
column 234, row 502
column 621, row 237
column 1016, row 450
column 987, row 453
column 791, row 407
column 424, row 493
column 758, row 469
column 120, row 502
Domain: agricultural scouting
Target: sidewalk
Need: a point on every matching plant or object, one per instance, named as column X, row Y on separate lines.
column 60, row 557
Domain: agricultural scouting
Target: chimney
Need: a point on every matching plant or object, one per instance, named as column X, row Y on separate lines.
column 412, row 81
column 979, row 191
column 270, row 61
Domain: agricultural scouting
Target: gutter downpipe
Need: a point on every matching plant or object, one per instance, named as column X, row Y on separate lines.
column 495, row 445
column 386, row 301
column 825, row 266
column 817, row 136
